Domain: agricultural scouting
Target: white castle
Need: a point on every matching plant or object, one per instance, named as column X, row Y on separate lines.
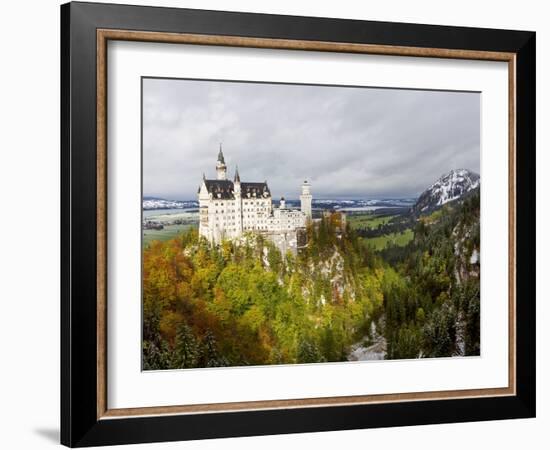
column 227, row 209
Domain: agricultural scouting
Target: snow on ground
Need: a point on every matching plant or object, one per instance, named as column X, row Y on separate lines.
column 453, row 185
column 474, row 259
column 160, row 203
column 374, row 352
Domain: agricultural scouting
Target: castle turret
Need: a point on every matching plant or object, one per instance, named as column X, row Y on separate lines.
column 238, row 203
column 282, row 203
column 305, row 199
column 221, row 168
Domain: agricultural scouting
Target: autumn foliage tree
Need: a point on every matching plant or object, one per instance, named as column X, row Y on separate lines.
column 246, row 303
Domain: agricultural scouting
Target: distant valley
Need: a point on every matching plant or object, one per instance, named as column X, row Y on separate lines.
column 154, row 203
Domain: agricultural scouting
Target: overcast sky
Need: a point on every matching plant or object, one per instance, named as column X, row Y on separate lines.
column 348, row 142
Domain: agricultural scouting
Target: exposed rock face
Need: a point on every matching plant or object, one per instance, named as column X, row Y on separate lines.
column 451, row 186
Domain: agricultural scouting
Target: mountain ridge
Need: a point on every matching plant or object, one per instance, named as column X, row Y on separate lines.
column 449, row 187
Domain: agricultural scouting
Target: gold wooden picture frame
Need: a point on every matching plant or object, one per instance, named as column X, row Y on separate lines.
column 105, row 35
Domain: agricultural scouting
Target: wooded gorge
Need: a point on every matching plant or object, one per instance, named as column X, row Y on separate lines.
column 245, row 303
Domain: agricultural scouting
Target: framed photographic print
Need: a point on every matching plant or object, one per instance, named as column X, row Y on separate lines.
column 277, row 224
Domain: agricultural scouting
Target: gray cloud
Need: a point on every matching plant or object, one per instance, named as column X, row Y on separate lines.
column 348, row 141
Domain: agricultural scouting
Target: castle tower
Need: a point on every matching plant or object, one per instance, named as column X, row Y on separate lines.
column 221, row 168
column 204, row 218
column 238, row 203
column 305, row 199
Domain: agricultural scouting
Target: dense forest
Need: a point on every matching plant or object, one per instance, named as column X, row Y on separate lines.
column 245, row 303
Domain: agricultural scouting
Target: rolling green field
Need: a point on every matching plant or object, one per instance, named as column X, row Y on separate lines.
column 371, row 221
column 399, row 239
column 368, row 220
column 169, row 232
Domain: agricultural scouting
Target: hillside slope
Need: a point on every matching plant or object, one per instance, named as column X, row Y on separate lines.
column 449, row 187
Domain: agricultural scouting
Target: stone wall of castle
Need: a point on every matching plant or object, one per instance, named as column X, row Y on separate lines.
column 227, row 209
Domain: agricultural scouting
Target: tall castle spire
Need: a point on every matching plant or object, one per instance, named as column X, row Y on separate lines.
column 237, row 178
column 221, row 168
column 220, row 155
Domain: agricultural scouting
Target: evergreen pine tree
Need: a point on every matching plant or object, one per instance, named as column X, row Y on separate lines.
column 309, row 353
column 186, row 349
column 210, row 356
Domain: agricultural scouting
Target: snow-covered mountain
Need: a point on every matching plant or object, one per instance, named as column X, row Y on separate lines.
column 448, row 188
